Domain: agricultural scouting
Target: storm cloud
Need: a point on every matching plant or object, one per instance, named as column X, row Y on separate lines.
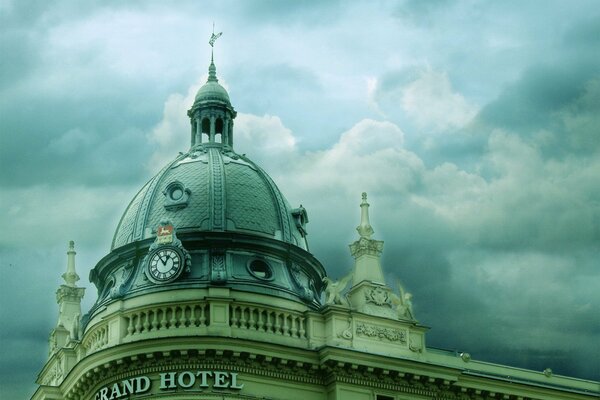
column 474, row 127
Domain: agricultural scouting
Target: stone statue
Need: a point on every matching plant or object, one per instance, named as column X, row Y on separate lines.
column 403, row 303
column 333, row 290
column 74, row 331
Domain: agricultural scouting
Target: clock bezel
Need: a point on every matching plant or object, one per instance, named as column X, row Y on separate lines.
column 177, row 273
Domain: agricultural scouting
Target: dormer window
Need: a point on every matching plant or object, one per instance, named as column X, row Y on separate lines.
column 177, row 196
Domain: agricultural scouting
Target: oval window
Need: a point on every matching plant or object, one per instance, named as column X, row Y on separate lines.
column 260, row 269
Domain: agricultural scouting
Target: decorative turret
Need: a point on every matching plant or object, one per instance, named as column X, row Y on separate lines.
column 68, row 297
column 212, row 114
column 369, row 292
column 366, row 251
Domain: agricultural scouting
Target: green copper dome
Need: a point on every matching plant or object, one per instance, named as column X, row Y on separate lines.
column 212, row 189
column 212, row 90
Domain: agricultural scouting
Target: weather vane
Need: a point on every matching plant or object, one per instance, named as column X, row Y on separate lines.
column 214, row 37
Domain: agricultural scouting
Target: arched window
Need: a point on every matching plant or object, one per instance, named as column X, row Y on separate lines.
column 206, row 128
column 219, row 126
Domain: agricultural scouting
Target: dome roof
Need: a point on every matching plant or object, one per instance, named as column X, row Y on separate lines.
column 227, row 220
column 212, row 90
column 212, row 189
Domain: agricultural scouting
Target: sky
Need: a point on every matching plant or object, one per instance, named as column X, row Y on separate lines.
column 474, row 126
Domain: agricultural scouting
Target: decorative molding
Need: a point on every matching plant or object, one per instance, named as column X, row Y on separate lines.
column 380, row 332
column 69, row 293
column 366, row 246
column 218, row 270
column 152, row 363
column 347, row 333
column 217, row 177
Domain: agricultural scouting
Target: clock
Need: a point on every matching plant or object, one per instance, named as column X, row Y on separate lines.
column 165, row 264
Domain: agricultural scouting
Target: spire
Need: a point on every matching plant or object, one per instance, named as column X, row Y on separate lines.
column 212, row 70
column 369, row 294
column 365, row 230
column 212, row 115
column 68, row 297
column 71, row 276
column 366, row 251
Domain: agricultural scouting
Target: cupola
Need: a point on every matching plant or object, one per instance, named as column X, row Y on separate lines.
column 212, row 115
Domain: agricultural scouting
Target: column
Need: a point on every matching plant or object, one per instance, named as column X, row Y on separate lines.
column 212, row 128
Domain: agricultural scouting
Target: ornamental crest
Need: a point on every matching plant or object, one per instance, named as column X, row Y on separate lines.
column 378, row 296
column 164, row 234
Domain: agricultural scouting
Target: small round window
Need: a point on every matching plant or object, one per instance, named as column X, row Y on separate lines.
column 176, row 192
column 260, row 269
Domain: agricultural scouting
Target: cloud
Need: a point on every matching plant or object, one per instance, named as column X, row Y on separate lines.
column 276, row 142
column 172, row 134
column 304, row 13
column 555, row 107
column 43, row 213
column 512, row 244
column 431, row 102
column 371, row 156
column 421, row 12
column 428, row 100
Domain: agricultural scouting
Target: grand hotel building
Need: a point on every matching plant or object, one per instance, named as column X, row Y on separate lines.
column 209, row 291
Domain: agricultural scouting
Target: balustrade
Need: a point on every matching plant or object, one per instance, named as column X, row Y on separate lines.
column 271, row 321
column 97, row 339
column 193, row 319
column 166, row 318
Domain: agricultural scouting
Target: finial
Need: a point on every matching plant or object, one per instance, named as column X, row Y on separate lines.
column 365, row 230
column 212, row 70
column 71, row 276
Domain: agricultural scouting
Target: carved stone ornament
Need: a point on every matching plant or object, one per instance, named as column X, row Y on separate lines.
column 218, row 271
column 378, row 296
column 303, row 282
column 414, row 344
column 334, row 289
column 121, row 283
column 347, row 333
column 166, row 238
column 380, row 332
column 69, row 293
column 366, row 246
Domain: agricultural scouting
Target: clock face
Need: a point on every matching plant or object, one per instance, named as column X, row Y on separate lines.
column 165, row 265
